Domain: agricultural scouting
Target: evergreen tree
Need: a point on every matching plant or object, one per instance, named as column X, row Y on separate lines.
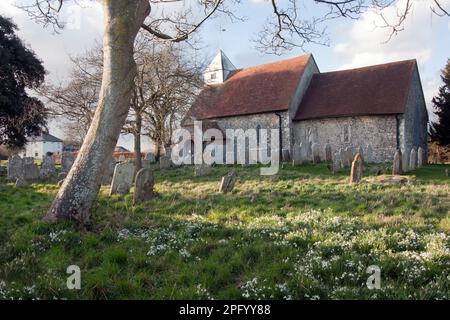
column 440, row 130
column 20, row 114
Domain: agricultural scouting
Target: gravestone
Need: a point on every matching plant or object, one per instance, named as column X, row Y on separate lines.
column 405, row 160
column 297, row 155
column 357, row 169
column 360, row 151
column 286, row 155
column 420, row 157
column 143, row 186
column 228, row 182
column 202, row 169
column 328, row 153
column 122, row 158
column 413, row 159
column 397, row 167
column 48, row 168
column 15, row 168
column 20, row 182
column 337, row 163
column 168, row 151
column 62, row 175
column 308, row 148
column 165, row 162
column 122, row 179
column 67, row 160
column 108, row 171
column 342, row 158
column 150, row 157
column 369, row 154
column 30, row 169
column 316, row 153
column 348, row 156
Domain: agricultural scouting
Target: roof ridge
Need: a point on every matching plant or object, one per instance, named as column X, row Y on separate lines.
column 372, row 66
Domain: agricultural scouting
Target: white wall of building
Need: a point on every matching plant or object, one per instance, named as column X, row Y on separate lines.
column 39, row 149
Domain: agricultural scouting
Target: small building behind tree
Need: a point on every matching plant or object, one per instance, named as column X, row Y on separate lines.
column 44, row 144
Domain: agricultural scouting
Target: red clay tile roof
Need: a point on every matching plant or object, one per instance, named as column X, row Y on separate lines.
column 263, row 88
column 375, row 90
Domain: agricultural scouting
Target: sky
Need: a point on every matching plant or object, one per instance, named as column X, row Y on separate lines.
column 353, row 43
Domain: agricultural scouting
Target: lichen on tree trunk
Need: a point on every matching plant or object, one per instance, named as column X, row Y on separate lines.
column 123, row 19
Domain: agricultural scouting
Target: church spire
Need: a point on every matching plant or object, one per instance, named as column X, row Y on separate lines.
column 219, row 69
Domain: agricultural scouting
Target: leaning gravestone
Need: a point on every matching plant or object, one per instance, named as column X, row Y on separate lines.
column 202, row 169
column 123, row 178
column 48, row 168
column 15, row 168
column 420, row 158
column 397, row 167
column 316, row 152
column 228, row 182
column 328, row 153
column 67, row 160
column 165, row 162
column 30, row 169
column 109, row 171
column 413, row 159
column 357, row 169
column 143, row 186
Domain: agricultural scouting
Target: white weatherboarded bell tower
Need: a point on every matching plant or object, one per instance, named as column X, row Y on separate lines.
column 219, row 69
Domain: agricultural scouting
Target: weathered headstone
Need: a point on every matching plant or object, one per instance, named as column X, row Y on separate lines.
column 297, row 155
column 405, row 160
column 15, row 168
column 30, row 169
column 357, row 170
column 348, row 156
column 67, row 160
column 342, row 158
column 150, row 157
column 337, row 163
column 361, row 153
column 143, row 186
column 397, row 167
column 21, row 182
column 202, row 169
column 309, row 154
column 108, row 171
column 316, row 152
column 413, row 159
column 168, row 151
column 369, row 154
column 228, row 182
column 48, row 168
column 165, row 162
column 123, row 178
column 420, row 157
column 122, row 158
column 286, row 154
column 328, row 153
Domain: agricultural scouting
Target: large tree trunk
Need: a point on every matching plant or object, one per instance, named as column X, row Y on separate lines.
column 137, row 142
column 123, row 19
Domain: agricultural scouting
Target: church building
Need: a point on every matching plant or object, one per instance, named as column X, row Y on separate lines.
column 381, row 107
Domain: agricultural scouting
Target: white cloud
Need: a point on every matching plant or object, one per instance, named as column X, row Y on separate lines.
column 368, row 44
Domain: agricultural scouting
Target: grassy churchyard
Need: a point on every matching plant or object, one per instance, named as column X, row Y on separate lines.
column 302, row 234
